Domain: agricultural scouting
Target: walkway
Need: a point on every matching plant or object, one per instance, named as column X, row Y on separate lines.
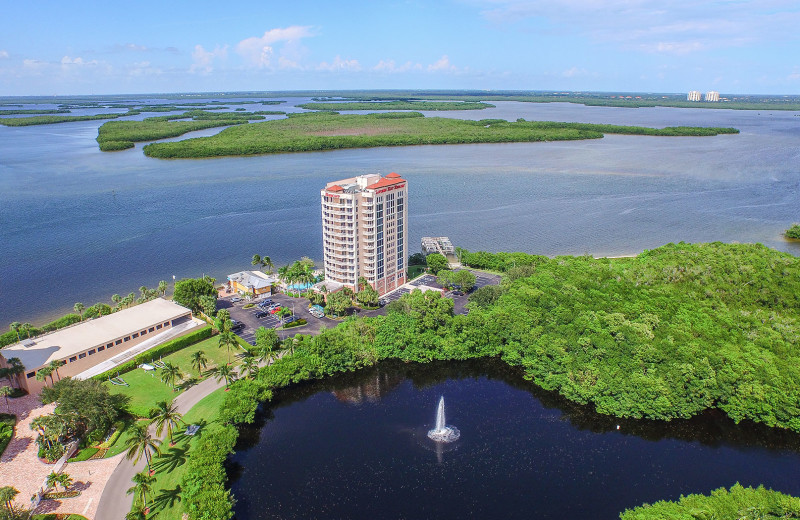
column 21, row 468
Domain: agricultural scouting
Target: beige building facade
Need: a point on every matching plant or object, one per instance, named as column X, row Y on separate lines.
column 364, row 231
column 91, row 342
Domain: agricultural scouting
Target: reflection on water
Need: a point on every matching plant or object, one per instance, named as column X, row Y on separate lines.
column 522, row 450
column 116, row 221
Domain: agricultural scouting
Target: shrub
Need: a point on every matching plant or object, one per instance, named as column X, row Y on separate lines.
column 793, row 232
column 162, row 350
column 297, row 323
column 7, row 422
column 204, row 495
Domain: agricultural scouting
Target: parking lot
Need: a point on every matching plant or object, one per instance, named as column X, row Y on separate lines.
column 251, row 323
column 300, row 308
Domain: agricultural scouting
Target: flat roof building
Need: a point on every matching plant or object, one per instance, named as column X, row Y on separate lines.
column 254, row 283
column 364, row 231
column 88, row 343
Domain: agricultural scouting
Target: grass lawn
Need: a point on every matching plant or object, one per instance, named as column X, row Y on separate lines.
column 415, row 270
column 170, row 466
column 145, row 387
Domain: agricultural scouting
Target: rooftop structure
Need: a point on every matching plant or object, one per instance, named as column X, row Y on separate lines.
column 364, row 231
column 90, row 342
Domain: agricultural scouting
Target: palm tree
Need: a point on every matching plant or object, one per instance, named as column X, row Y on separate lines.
column 224, row 372
column 5, row 391
column 7, row 494
column 199, row 361
column 14, row 370
column 141, row 443
column 55, row 479
column 169, row 373
column 143, row 485
column 26, row 328
column 65, row 480
column 222, row 320
column 116, row 298
column 42, row 374
column 249, row 366
column 227, row 339
column 79, row 309
column 138, row 512
column 162, row 287
column 165, row 415
column 15, row 328
column 55, row 364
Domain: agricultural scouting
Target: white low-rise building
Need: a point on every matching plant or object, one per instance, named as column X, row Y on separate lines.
column 91, row 342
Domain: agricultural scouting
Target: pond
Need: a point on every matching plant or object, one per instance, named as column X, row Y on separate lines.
column 356, row 446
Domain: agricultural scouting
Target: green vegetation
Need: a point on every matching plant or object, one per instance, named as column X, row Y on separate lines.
column 26, row 330
column 738, row 503
column 436, row 262
column 398, row 105
column 189, row 475
column 145, row 388
column 49, row 120
column 793, row 232
column 329, row 131
column 120, row 135
column 33, row 111
column 189, row 291
column 7, row 422
column 85, row 411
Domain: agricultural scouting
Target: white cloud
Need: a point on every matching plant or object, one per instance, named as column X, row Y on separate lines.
column 338, row 64
column 203, row 60
column 3, row 54
column 390, row 66
column 442, row 64
column 259, row 51
column 80, row 62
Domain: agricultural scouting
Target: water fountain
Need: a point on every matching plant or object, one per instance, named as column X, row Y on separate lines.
column 442, row 432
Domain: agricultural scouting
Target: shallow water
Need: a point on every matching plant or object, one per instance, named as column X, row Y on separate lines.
column 77, row 224
column 356, row 447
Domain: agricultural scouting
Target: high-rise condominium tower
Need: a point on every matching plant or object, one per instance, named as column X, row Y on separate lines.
column 364, row 231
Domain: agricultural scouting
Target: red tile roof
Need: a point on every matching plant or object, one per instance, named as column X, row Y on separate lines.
column 393, row 175
column 335, row 188
column 386, row 181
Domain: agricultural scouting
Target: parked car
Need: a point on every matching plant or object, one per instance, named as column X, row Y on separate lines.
column 290, row 319
column 236, row 325
column 265, row 303
column 235, row 299
column 262, row 314
column 457, row 293
column 274, row 310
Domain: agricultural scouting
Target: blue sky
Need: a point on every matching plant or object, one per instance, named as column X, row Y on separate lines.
column 82, row 47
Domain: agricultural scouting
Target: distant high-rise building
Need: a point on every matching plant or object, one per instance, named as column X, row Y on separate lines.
column 712, row 95
column 364, row 231
column 694, row 95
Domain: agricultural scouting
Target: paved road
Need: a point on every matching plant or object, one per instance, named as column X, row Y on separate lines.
column 114, row 503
